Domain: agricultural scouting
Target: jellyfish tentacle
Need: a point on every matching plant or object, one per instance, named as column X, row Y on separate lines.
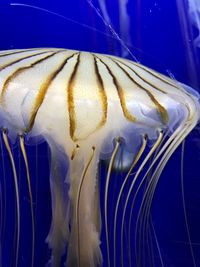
column 150, row 244
column 123, row 216
column 147, row 232
column 106, row 195
column 1, row 220
column 180, row 133
column 142, row 228
column 1, row 200
column 184, row 205
column 136, row 159
column 131, row 188
column 4, row 190
column 150, row 168
column 149, row 201
column 6, row 142
column 155, row 146
column 2, row 209
column 22, row 146
column 157, row 245
column 142, row 214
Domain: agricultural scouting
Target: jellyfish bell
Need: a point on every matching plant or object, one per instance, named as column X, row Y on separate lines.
column 86, row 106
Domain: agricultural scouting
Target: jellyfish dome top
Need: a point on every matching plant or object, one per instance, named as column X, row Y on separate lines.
column 86, row 106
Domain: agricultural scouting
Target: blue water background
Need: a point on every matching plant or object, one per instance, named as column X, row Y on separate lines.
column 156, row 40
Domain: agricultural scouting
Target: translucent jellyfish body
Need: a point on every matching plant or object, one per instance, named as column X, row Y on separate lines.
column 86, row 105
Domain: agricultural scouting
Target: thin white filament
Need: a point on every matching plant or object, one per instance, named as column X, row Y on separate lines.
column 111, row 29
column 157, row 244
column 64, row 17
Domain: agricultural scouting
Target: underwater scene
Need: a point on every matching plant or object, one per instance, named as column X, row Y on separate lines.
column 100, row 134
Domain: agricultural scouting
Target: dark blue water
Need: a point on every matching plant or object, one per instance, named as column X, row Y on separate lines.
column 157, row 39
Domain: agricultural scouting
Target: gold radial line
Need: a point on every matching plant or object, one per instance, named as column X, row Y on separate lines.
column 43, row 90
column 117, row 61
column 18, row 52
column 16, row 73
column 120, row 92
column 162, row 111
column 20, row 59
column 156, row 75
column 70, row 100
column 102, row 93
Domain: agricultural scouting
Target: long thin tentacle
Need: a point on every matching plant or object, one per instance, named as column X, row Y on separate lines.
column 162, row 150
column 182, row 131
column 122, row 188
column 145, row 205
column 4, row 193
column 134, row 180
column 184, row 205
column 150, row 233
column 106, row 196
column 5, row 138
column 149, row 193
column 157, row 245
column 30, row 195
column 1, row 220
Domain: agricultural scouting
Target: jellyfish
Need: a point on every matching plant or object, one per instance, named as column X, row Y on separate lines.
column 194, row 14
column 87, row 107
